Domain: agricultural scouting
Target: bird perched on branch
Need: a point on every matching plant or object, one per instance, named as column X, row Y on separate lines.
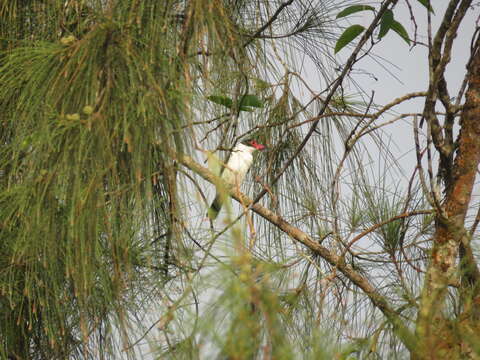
column 234, row 171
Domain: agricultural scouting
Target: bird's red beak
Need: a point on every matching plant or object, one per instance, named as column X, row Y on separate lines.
column 257, row 145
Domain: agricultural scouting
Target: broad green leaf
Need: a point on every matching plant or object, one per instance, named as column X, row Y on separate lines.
column 246, row 108
column 251, row 100
column 427, row 4
column 348, row 35
column 400, row 30
column 222, row 100
column 386, row 23
column 247, row 103
column 261, row 84
column 353, row 9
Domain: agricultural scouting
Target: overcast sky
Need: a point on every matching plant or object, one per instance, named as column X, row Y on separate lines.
column 404, row 70
column 413, row 64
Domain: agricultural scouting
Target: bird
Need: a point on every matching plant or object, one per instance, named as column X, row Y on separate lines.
column 241, row 158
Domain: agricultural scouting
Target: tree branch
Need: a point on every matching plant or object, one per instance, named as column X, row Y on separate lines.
column 450, row 231
column 268, row 23
column 378, row 299
column 350, row 62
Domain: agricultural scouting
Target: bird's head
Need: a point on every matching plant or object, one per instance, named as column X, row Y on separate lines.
column 253, row 144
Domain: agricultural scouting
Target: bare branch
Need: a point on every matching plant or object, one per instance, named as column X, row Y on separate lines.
column 300, row 236
column 269, row 22
column 336, row 84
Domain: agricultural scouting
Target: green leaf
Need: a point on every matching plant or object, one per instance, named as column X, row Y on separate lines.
column 427, row 4
column 222, row 100
column 251, row 100
column 260, row 84
column 348, row 35
column 353, row 9
column 400, row 30
column 246, row 108
column 386, row 23
column 247, row 103
column 354, row 347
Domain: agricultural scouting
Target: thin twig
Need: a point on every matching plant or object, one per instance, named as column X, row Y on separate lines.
column 298, row 235
column 268, row 23
column 350, row 62
column 385, row 222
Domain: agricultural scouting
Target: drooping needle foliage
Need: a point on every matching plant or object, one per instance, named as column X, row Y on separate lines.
column 96, row 96
column 116, row 118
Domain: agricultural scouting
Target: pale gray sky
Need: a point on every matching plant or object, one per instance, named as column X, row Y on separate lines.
column 404, row 70
column 410, row 66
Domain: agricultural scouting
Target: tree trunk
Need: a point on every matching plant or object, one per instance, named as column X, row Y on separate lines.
column 440, row 336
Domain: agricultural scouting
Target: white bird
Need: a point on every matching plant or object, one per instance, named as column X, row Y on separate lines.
column 234, row 171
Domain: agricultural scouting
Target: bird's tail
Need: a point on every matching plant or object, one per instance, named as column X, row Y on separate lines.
column 215, row 207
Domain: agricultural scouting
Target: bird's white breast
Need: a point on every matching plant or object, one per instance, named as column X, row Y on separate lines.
column 240, row 161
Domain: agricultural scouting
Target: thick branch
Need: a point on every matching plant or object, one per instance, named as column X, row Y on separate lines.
column 450, row 232
column 378, row 300
column 437, row 64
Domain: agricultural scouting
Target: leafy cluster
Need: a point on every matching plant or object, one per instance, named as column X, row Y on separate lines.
column 108, row 111
column 97, row 97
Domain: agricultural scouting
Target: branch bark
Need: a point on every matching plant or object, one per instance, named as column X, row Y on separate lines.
column 438, row 61
column 450, row 232
column 296, row 234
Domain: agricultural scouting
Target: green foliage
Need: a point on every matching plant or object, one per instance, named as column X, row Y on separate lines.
column 247, row 102
column 400, row 30
column 252, row 101
column 88, row 121
column 253, row 317
column 354, row 9
column 383, row 205
column 254, row 313
column 388, row 22
column 95, row 97
column 348, row 36
column 427, row 4
column 385, row 23
column 222, row 100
